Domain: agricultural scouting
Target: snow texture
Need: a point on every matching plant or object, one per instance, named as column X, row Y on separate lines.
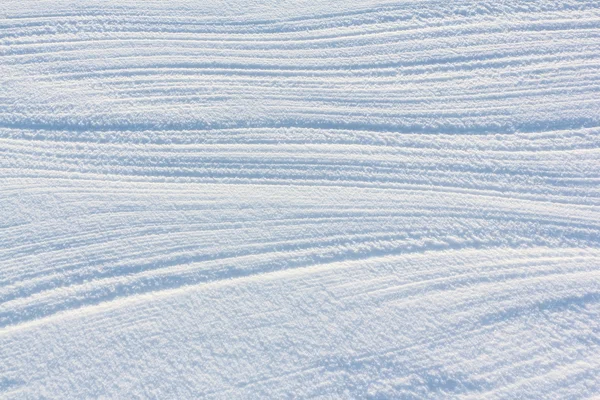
column 299, row 199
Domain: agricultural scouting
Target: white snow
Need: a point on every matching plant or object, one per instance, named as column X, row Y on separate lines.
column 299, row 199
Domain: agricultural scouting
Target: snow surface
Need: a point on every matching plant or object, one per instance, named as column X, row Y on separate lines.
column 297, row 199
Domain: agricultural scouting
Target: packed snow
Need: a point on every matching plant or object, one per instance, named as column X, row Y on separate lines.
column 299, row 199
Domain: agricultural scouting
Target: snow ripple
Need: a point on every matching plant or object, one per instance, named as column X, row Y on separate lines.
column 251, row 199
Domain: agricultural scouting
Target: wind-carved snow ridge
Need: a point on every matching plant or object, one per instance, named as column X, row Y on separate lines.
column 298, row 199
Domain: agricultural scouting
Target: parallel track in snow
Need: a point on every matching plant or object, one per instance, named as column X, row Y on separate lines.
column 347, row 199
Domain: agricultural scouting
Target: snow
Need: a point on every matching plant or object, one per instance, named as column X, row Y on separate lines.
column 299, row 199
